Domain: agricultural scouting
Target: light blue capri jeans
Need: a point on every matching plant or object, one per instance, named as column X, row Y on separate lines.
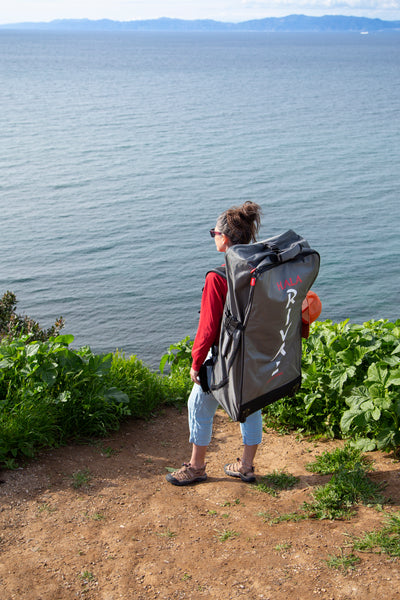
column 202, row 407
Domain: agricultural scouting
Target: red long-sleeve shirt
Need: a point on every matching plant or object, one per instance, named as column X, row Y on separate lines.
column 211, row 311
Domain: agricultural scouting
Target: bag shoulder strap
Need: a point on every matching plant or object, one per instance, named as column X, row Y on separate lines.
column 219, row 271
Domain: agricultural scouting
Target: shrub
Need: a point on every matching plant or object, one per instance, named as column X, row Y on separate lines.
column 351, row 375
column 50, row 393
column 144, row 388
column 13, row 326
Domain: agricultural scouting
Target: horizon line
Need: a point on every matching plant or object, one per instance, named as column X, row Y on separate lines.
column 138, row 20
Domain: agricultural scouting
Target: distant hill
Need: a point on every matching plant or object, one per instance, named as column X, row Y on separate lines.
column 291, row 23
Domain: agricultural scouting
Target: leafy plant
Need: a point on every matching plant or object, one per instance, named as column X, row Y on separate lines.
column 277, row 480
column 178, row 355
column 81, row 478
column 373, row 417
column 13, row 326
column 283, row 546
column 87, row 576
column 351, row 375
column 343, row 562
column 167, row 533
column 50, row 393
column 382, row 541
column 340, row 459
column 226, row 534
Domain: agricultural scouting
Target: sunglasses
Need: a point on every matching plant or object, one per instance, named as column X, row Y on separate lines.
column 213, row 233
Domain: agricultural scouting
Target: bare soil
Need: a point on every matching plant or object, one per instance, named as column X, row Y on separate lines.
column 127, row 533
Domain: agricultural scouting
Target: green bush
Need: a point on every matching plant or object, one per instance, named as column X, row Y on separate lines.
column 49, row 394
column 13, row 326
column 177, row 384
column 350, row 387
column 144, row 388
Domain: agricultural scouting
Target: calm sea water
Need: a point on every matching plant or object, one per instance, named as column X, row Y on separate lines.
column 118, row 152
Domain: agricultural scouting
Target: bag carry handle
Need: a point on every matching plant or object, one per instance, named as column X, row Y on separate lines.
column 285, row 254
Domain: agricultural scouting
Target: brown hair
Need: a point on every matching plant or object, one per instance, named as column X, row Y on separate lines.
column 240, row 223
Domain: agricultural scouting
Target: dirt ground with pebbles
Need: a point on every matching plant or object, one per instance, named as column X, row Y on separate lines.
column 100, row 522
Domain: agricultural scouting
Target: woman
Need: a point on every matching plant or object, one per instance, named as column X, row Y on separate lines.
column 237, row 225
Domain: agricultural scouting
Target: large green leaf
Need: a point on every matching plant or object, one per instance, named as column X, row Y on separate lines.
column 364, row 444
column 378, row 372
column 33, row 349
column 64, row 339
column 394, row 378
column 340, row 375
column 358, row 396
column 115, row 395
column 352, row 419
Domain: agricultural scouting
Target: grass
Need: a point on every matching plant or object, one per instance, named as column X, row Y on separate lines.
column 228, row 503
column 167, row 533
column 86, row 576
column 45, row 507
column 381, row 541
column 343, row 562
column 342, row 493
column 346, row 458
column 226, row 534
column 106, row 451
column 348, row 486
column 81, row 478
column 283, row 546
column 275, row 481
column 98, row 517
column 288, row 517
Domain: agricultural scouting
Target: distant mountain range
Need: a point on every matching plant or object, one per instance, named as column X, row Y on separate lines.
column 291, row 23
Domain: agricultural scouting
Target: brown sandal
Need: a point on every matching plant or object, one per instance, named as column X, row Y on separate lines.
column 187, row 475
column 238, row 469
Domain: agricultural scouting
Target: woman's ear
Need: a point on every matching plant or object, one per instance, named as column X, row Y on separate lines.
column 227, row 241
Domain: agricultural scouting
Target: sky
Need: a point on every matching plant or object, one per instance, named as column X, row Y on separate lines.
column 16, row 11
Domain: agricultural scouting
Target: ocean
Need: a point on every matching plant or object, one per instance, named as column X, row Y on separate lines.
column 119, row 151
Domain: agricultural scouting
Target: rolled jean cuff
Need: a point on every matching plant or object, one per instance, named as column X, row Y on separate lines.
column 201, row 410
column 252, row 429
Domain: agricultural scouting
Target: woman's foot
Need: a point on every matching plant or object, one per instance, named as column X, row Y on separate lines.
column 239, row 469
column 187, row 475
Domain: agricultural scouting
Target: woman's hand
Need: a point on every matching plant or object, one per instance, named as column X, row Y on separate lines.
column 194, row 376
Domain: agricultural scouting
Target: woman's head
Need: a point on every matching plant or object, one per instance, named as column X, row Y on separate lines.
column 238, row 225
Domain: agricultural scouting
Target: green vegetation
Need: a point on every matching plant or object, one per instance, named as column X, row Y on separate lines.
column 51, row 393
column 341, row 459
column 350, row 387
column 226, row 534
column 382, row 541
column 81, row 479
column 348, row 486
column 344, row 562
column 13, row 325
column 345, row 490
column 275, row 481
column 385, row 540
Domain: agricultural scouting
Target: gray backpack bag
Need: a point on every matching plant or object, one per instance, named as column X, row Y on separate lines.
column 259, row 351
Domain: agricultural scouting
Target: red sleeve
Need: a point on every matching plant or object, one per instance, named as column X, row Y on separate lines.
column 211, row 311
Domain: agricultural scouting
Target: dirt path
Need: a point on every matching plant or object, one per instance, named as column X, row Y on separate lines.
column 129, row 534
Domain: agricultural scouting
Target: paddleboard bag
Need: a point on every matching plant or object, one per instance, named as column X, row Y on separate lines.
column 259, row 352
